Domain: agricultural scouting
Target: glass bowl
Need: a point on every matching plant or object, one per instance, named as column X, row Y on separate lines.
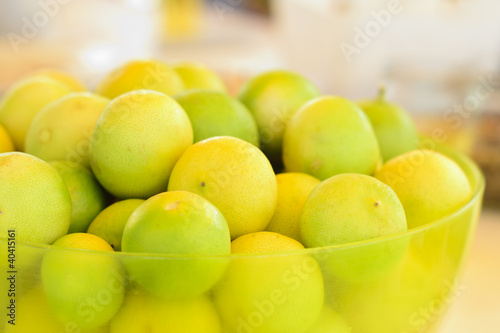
column 399, row 284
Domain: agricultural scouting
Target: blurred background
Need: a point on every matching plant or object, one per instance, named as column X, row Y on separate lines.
column 440, row 59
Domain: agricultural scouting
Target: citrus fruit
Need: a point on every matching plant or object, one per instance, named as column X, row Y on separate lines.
column 139, row 75
column 329, row 321
column 23, row 101
column 109, row 224
column 293, row 190
column 143, row 313
column 396, row 133
column 87, row 196
column 429, row 185
column 6, row 144
column 214, row 113
column 34, row 199
column 61, row 76
column 62, row 130
column 181, row 224
column 349, row 208
column 136, row 142
column 196, row 76
column 235, row 176
column 83, row 287
column 34, row 315
column 273, row 97
column 329, row 136
column 267, row 294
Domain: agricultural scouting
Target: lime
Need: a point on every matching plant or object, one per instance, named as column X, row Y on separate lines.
column 235, row 176
column 62, row 130
column 34, row 199
column 139, row 75
column 214, row 113
column 83, row 287
column 109, row 224
column 136, row 142
column 293, row 190
column 267, row 294
column 329, row 136
column 180, row 224
column 87, row 196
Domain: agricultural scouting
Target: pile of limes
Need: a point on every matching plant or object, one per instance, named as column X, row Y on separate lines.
column 160, row 161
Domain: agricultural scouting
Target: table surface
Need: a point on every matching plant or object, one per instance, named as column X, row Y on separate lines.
column 477, row 308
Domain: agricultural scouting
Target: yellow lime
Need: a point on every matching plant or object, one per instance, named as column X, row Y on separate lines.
column 136, row 142
column 61, row 76
column 109, row 224
column 349, row 208
column 34, row 315
column 429, row 185
column 6, row 144
column 23, row 101
column 268, row 294
column 143, row 313
column 34, row 199
column 235, row 176
column 196, row 76
column 139, row 75
column 83, row 287
column 293, row 190
column 329, row 136
column 62, row 130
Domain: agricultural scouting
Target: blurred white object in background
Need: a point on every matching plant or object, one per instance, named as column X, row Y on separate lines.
column 91, row 35
column 348, row 46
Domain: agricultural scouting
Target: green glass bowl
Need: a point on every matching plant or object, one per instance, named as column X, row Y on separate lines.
column 399, row 284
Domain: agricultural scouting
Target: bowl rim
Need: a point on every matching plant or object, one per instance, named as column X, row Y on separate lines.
column 456, row 155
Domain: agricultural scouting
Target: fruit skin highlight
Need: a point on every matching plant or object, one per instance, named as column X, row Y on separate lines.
column 273, row 98
column 136, row 142
column 34, row 199
column 87, row 196
column 262, row 294
column 109, row 224
column 62, row 130
column 293, row 190
column 196, row 76
column 138, row 75
column 395, row 130
column 83, row 287
column 330, row 136
column 143, row 313
column 181, row 224
column 23, row 101
column 429, row 185
column 233, row 175
column 215, row 113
